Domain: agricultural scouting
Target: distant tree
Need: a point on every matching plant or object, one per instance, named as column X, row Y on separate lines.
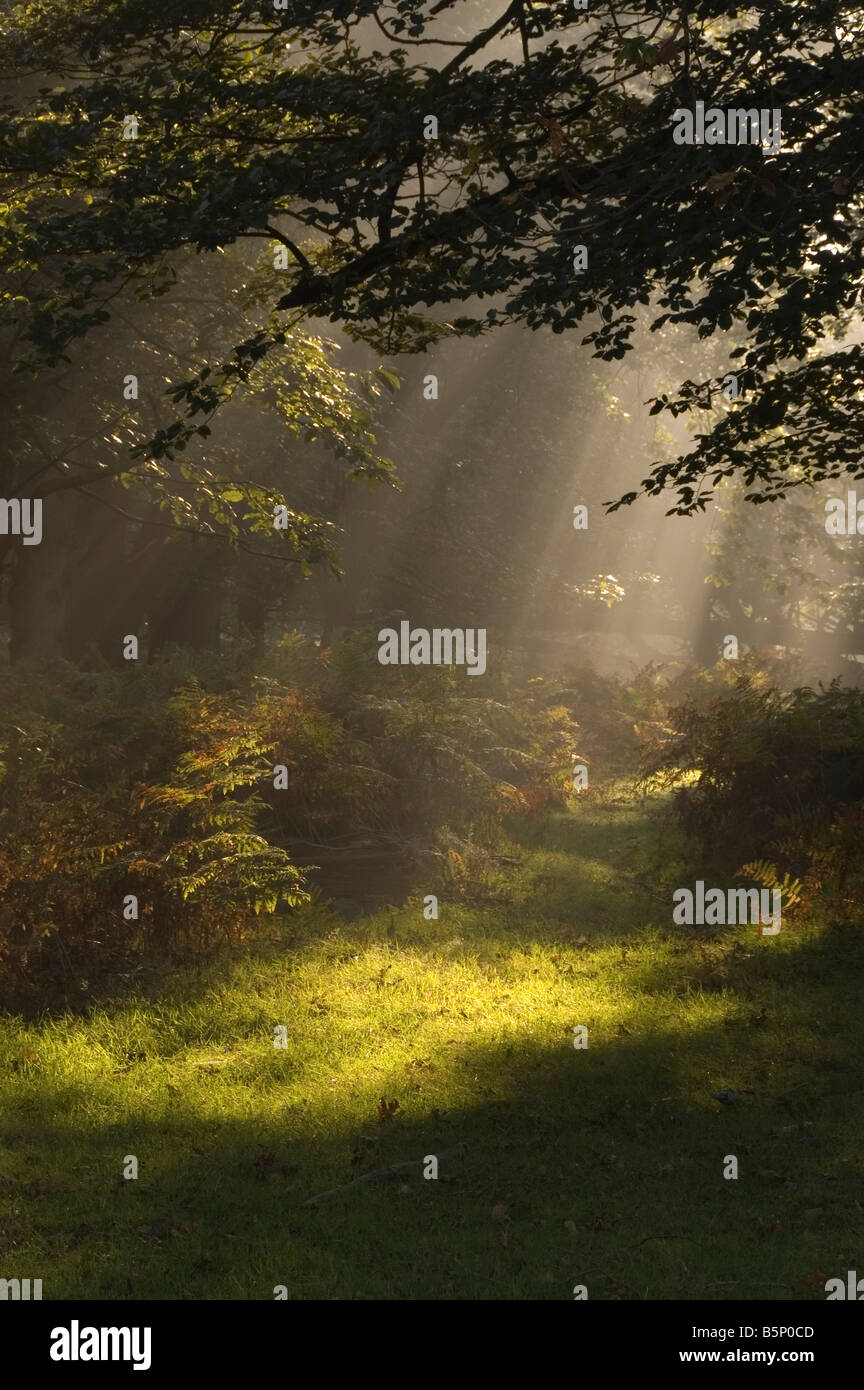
column 791, row 584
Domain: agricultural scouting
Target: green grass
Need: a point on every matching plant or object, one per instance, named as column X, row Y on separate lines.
column 601, row 1167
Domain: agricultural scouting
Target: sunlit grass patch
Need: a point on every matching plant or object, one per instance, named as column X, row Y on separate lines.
column 409, row 1038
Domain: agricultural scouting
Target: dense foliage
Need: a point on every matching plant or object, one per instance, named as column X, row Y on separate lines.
column 159, row 783
column 779, row 784
column 306, row 127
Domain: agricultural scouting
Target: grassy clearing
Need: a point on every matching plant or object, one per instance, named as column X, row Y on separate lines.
column 600, row 1167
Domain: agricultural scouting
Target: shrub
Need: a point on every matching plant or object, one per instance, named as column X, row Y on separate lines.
column 779, row 778
column 117, row 788
column 158, row 783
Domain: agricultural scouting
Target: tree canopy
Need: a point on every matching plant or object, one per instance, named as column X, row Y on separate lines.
column 306, row 126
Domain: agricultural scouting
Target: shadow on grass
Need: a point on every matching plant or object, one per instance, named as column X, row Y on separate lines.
column 558, row 1166
column 601, row 1167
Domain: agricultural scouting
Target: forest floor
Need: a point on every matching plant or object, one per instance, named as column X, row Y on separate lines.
column 558, row 1166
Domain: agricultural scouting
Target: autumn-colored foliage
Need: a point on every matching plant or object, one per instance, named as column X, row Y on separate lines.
column 158, row 784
